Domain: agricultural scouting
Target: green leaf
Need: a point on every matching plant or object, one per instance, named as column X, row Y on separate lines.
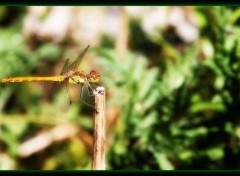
column 148, row 83
column 207, row 106
column 163, row 162
column 148, row 121
column 49, row 52
column 215, row 154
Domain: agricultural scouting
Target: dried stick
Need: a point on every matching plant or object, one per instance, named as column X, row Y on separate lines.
column 98, row 160
column 45, row 139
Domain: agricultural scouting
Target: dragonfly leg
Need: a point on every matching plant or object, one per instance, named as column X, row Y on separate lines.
column 90, row 90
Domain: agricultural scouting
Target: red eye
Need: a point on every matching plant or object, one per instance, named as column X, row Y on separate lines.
column 94, row 75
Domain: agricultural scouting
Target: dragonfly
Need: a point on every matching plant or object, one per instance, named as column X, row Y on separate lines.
column 69, row 75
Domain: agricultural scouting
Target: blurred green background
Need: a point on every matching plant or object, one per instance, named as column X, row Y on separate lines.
column 172, row 76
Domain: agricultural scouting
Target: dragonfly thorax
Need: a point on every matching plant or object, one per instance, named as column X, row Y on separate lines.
column 76, row 80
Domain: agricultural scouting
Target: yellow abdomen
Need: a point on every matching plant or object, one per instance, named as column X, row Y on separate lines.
column 34, row 79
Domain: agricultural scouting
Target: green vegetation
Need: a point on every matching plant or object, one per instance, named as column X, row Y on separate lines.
column 171, row 104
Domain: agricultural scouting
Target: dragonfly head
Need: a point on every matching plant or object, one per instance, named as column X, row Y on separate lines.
column 93, row 77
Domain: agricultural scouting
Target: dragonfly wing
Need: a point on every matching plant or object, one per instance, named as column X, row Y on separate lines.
column 87, row 95
column 77, row 62
column 56, row 85
column 63, row 97
column 65, row 67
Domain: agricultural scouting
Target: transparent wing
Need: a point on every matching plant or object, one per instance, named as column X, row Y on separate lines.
column 65, row 67
column 63, row 96
column 87, row 96
column 63, row 99
column 57, row 85
column 77, row 62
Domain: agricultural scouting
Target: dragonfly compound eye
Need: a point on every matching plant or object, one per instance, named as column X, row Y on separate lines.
column 94, row 77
